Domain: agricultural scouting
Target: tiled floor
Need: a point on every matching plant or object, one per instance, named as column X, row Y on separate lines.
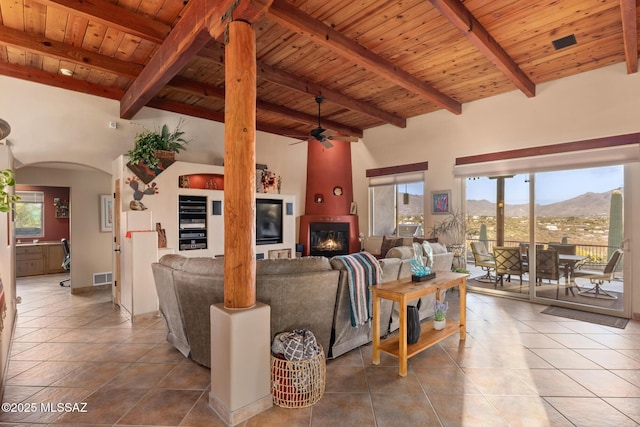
column 517, row 367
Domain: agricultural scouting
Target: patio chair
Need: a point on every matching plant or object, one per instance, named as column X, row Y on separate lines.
column 548, row 267
column 563, row 248
column 508, row 262
column 484, row 260
column 597, row 278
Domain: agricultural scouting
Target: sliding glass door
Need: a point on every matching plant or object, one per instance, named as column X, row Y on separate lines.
column 497, row 218
column 568, row 227
column 579, row 216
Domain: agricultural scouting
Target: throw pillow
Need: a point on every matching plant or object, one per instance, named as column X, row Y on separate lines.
column 421, row 240
column 438, row 248
column 388, row 243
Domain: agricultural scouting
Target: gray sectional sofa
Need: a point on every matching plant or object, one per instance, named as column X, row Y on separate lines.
column 308, row 292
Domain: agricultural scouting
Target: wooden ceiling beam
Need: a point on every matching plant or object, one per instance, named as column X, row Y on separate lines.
column 58, row 80
column 36, row 43
column 206, row 90
column 293, row 19
column 468, row 25
column 215, row 52
column 203, row 113
column 305, row 86
column 201, row 21
column 114, row 16
column 629, row 12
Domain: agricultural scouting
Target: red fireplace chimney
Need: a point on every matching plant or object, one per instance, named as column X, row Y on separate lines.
column 329, row 193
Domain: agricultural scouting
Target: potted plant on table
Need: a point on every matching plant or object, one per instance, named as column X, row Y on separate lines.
column 440, row 315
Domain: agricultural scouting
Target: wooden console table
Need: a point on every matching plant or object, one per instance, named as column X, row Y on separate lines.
column 403, row 291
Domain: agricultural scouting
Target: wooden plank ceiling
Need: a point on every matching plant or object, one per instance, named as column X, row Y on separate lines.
column 373, row 61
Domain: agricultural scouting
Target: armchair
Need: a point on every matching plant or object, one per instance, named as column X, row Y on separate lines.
column 548, row 267
column 484, row 260
column 598, row 278
column 508, row 262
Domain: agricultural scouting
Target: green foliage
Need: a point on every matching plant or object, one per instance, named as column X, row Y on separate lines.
column 7, row 199
column 454, row 226
column 148, row 142
column 483, row 234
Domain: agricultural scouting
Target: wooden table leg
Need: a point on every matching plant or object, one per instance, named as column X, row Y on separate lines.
column 402, row 355
column 375, row 331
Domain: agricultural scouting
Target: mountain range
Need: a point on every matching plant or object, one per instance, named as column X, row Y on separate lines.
column 586, row 205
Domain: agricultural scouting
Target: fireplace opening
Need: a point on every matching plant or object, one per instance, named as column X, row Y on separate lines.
column 329, row 239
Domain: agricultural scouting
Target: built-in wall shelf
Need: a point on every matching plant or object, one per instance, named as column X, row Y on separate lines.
column 192, row 222
column 203, row 181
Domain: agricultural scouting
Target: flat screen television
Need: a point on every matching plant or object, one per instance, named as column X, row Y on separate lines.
column 268, row 221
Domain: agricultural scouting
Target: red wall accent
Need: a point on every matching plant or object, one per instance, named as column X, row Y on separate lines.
column 328, row 168
column 54, row 228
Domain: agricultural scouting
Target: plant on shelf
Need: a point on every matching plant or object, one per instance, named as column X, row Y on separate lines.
column 441, row 310
column 149, row 143
column 7, row 200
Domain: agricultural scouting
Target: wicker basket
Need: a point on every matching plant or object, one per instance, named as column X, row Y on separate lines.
column 298, row 383
column 165, row 154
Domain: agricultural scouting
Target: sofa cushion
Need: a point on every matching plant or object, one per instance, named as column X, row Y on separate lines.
column 292, row 265
column 402, row 252
column 173, row 261
column 388, row 243
column 204, row 266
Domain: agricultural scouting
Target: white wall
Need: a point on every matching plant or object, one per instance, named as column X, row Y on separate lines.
column 590, row 105
column 90, row 249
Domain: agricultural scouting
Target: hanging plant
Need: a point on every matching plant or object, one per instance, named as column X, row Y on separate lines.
column 148, row 143
column 7, row 199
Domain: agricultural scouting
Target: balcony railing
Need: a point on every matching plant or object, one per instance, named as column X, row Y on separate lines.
column 598, row 255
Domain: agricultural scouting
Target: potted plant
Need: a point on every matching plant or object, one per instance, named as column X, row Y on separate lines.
column 454, row 227
column 7, row 200
column 440, row 315
column 151, row 146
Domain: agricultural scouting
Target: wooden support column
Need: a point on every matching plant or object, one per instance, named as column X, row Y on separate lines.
column 240, row 167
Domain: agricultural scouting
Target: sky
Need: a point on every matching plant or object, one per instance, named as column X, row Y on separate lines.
column 551, row 187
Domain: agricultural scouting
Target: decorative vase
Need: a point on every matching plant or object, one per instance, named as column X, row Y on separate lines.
column 439, row 325
column 413, row 324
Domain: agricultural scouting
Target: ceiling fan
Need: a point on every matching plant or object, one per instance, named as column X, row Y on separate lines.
column 325, row 136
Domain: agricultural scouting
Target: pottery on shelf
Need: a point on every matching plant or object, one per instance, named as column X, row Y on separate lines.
column 439, row 325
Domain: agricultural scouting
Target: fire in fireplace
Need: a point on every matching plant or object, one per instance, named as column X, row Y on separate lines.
column 329, row 239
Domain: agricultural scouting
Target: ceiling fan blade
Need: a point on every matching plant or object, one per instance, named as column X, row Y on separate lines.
column 325, row 142
column 298, row 142
column 335, row 136
column 344, row 138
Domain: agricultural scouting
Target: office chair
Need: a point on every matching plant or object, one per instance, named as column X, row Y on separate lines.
column 66, row 262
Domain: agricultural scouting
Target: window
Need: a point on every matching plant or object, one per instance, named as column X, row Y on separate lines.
column 30, row 214
column 397, row 209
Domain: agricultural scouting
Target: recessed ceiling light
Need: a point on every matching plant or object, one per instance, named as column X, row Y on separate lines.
column 66, row 72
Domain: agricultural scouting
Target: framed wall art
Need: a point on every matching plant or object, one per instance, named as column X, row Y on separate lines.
column 441, row 202
column 106, row 213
